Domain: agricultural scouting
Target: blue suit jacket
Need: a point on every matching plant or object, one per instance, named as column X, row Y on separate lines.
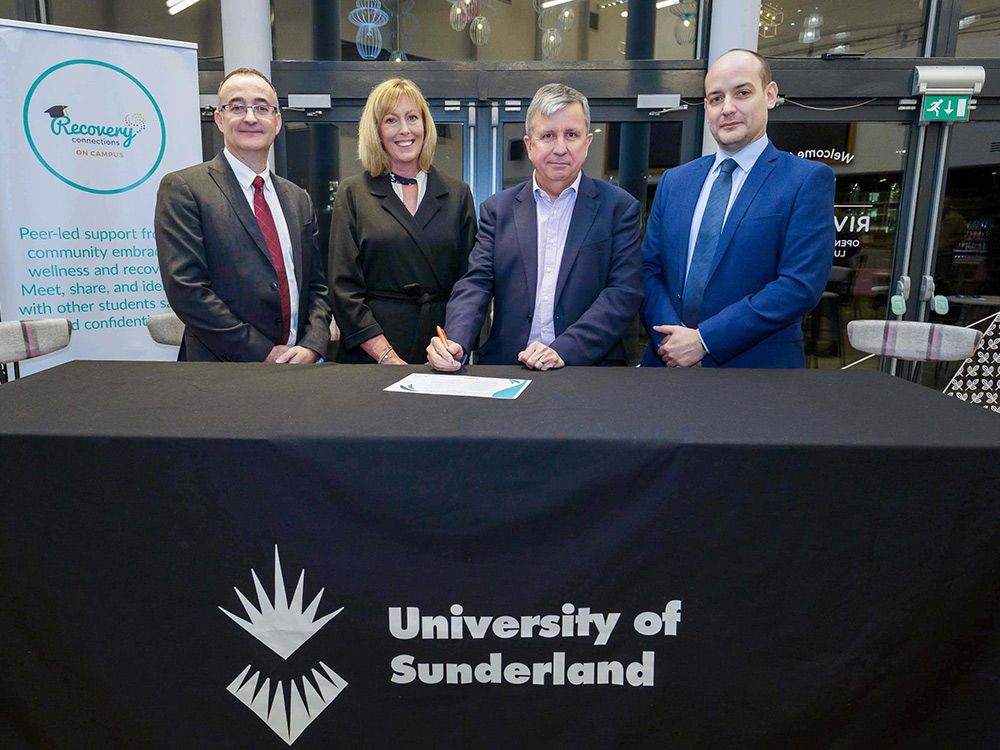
column 770, row 268
column 598, row 290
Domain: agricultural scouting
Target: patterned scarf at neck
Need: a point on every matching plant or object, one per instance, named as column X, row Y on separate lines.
column 393, row 177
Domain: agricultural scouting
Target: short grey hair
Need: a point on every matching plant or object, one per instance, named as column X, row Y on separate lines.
column 551, row 98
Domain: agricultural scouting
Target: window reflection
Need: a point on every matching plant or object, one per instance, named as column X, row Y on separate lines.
column 200, row 23
column 979, row 28
column 894, row 28
column 496, row 30
column 867, row 159
column 967, row 265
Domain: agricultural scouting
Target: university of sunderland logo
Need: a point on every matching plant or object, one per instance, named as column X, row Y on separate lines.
column 283, row 627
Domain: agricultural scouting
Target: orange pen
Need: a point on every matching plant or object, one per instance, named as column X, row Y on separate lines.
column 444, row 339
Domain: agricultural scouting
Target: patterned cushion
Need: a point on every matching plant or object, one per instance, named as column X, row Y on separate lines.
column 922, row 342
column 23, row 339
column 978, row 379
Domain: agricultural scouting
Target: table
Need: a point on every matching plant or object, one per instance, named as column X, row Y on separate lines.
column 796, row 559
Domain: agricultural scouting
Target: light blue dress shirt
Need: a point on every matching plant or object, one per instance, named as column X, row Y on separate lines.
column 745, row 159
column 552, row 218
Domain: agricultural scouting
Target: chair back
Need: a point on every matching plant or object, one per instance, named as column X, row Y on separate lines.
column 166, row 328
column 25, row 339
column 912, row 340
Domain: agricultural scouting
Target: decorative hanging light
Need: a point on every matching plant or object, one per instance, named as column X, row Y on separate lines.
column 368, row 16
column 471, row 7
column 551, row 43
column 479, row 30
column 368, row 42
column 399, row 36
column 813, row 21
column 566, row 16
column 809, row 36
column 458, row 17
column 685, row 27
column 771, row 17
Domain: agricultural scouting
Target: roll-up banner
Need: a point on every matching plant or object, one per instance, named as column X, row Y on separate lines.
column 89, row 123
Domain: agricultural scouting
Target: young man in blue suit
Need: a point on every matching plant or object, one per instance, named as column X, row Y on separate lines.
column 558, row 255
column 738, row 245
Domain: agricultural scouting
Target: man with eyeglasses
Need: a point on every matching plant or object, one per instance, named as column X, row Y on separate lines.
column 237, row 244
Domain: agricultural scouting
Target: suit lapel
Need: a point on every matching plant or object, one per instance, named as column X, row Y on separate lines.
column 526, row 226
column 686, row 202
column 584, row 212
column 381, row 188
column 434, row 197
column 751, row 186
column 223, row 175
column 292, row 222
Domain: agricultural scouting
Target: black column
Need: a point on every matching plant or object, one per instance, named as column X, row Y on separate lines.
column 324, row 138
column 633, row 156
column 326, row 30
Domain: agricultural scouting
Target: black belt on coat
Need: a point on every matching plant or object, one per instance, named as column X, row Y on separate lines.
column 414, row 294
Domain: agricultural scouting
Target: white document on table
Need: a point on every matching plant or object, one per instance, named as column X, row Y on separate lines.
column 460, row 385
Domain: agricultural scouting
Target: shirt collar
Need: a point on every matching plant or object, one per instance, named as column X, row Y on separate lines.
column 245, row 175
column 575, row 187
column 746, row 157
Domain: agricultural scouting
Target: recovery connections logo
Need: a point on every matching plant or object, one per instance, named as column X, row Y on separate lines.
column 94, row 126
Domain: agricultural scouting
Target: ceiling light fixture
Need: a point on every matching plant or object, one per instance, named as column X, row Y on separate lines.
column 176, row 6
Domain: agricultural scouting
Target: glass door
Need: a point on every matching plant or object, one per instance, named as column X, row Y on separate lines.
column 965, row 263
column 868, row 160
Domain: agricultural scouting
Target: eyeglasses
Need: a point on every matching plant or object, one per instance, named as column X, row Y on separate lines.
column 239, row 109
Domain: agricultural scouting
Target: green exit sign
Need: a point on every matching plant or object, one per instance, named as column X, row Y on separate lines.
column 945, row 108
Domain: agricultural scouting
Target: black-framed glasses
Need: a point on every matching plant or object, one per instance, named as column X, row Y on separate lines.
column 239, row 109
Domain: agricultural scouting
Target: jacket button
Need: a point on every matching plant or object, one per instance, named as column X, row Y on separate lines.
column 277, row 321
column 274, row 284
column 678, row 296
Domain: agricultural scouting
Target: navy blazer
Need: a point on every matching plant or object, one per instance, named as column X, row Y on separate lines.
column 598, row 290
column 770, row 268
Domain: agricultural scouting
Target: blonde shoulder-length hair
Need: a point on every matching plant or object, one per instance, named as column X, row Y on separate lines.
column 381, row 101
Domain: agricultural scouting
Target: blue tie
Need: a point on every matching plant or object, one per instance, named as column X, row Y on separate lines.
column 708, row 240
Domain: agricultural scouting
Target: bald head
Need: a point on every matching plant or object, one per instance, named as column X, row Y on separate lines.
column 749, row 57
column 739, row 93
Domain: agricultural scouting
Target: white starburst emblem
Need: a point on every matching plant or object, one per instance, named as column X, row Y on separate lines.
column 289, row 720
column 283, row 627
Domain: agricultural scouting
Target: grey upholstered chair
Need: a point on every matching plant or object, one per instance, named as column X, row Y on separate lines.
column 166, row 328
column 26, row 339
column 914, row 341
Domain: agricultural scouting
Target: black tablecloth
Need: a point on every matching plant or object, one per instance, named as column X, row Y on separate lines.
column 828, row 542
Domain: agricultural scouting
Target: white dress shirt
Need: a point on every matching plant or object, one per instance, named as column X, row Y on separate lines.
column 245, row 176
column 421, row 179
column 552, row 218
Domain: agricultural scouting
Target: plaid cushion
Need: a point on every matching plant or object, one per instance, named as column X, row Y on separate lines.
column 24, row 339
column 904, row 339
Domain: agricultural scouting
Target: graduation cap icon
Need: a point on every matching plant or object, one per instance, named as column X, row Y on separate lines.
column 58, row 110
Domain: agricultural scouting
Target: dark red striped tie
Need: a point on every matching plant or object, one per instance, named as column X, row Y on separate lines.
column 267, row 228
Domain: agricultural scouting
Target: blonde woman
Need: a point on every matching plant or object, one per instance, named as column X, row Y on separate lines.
column 400, row 236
